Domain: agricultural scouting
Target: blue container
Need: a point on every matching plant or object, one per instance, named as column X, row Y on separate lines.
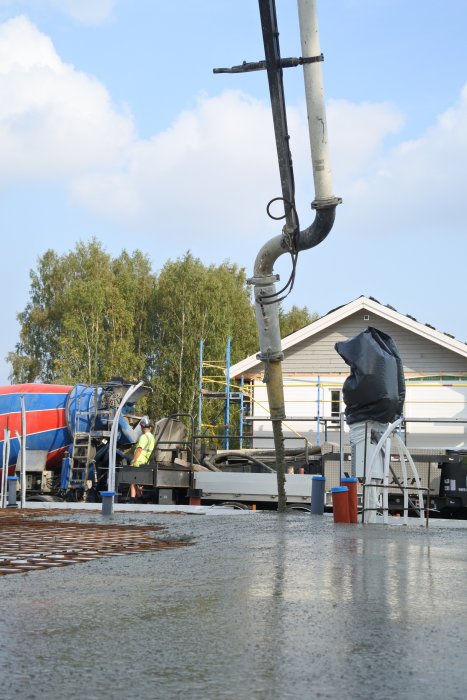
column 12, row 491
column 317, row 494
column 107, row 502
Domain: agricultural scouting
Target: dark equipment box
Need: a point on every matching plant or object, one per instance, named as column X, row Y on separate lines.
column 137, row 475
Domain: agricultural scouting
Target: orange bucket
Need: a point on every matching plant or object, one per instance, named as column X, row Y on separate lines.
column 340, row 504
column 351, row 483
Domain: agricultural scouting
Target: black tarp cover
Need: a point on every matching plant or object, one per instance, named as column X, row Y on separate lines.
column 375, row 389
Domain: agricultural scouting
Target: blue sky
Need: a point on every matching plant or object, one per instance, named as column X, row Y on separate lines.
column 113, row 125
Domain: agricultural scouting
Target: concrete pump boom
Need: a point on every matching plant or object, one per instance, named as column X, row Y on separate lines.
column 292, row 240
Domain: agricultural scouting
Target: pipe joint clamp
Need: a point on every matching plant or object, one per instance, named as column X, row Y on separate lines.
column 270, row 356
column 326, row 203
column 263, row 281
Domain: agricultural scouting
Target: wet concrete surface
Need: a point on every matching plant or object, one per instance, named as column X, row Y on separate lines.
column 261, row 606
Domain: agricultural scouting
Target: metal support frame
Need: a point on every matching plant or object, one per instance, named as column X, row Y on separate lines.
column 200, row 387
column 113, row 436
column 22, row 481
column 226, row 394
column 5, row 466
column 384, row 445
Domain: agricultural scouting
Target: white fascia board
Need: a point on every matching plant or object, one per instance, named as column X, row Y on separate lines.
column 416, row 327
column 244, row 365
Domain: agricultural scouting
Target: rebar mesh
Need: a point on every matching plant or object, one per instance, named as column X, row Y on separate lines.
column 28, row 544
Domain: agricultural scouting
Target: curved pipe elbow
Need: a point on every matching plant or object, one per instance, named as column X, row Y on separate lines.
column 319, row 229
column 267, row 256
column 308, row 238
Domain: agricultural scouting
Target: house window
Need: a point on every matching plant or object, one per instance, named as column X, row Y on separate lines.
column 437, row 378
column 335, row 403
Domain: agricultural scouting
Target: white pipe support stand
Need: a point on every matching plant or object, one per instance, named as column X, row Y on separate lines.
column 23, row 452
column 113, row 436
column 5, row 467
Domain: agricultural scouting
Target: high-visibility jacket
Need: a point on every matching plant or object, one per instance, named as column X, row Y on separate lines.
column 146, row 442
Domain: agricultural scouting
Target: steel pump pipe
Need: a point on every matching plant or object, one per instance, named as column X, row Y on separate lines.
column 110, row 493
column 324, row 204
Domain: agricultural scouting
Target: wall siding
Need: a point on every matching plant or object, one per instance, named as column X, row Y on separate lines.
column 317, row 354
column 427, row 407
column 315, row 360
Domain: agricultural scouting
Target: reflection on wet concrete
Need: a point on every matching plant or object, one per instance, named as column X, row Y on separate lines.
column 267, row 606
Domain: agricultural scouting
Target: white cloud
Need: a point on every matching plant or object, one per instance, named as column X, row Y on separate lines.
column 420, row 184
column 213, row 171
column 215, row 162
column 357, row 133
column 86, row 11
column 90, row 12
column 55, row 121
column 23, row 48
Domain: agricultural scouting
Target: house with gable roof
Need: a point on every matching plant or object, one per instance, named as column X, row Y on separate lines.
column 435, row 368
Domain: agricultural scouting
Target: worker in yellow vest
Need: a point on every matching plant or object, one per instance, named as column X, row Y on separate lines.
column 143, row 452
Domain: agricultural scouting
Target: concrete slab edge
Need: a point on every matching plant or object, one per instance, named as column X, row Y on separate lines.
column 137, row 508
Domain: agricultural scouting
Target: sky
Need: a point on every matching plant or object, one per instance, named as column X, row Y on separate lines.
column 113, row 126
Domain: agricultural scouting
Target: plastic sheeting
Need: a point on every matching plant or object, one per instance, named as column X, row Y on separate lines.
column 375, row 389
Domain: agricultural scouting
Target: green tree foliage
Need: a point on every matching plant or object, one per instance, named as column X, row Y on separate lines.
column 91, row 317
column 193, row 303
column 41, row 323
column 295, row 319
column 87, row 319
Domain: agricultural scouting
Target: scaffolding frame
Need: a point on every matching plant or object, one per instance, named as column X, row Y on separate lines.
column 227, row 395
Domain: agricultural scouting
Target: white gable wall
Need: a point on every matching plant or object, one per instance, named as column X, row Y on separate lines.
column 426, row 403
column 317, row 354
column 443, row 401
column 312, row 368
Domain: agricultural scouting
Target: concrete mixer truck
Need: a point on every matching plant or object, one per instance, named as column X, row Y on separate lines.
column 65, row 434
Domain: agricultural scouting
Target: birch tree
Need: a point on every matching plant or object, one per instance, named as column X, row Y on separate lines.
column 295, row 319
column 87, row 318
column 197, row 303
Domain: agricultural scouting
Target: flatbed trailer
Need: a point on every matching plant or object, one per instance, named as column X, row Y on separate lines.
column 176, row 485
column 251, row 489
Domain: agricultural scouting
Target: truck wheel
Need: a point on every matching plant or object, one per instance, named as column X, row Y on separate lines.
column 232, row 504
column 44, row 498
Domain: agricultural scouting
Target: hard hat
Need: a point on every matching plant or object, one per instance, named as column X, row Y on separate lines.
column 146, row 423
